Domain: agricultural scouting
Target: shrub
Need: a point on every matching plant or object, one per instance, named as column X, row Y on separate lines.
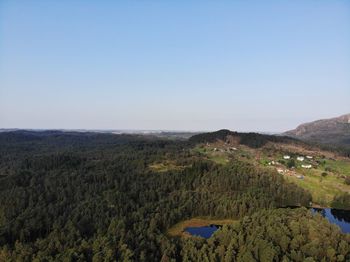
column 291, row 163
column 347, row 180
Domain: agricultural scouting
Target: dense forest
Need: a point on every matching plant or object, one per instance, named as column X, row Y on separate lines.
column 69, row 196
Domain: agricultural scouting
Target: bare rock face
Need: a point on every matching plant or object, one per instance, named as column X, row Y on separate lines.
column 328, row 131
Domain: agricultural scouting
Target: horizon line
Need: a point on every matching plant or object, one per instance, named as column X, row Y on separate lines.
column 136, row 131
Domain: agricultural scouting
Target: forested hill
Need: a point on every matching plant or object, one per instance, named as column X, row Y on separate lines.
column 99, row 197
column 254, row 140
column 257, row 140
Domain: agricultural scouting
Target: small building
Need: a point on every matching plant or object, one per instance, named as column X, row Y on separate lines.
column 309, row 157
column 306, row 166
column 280, row 170
column 300, row 176
column 286, row 157
column 300, row 158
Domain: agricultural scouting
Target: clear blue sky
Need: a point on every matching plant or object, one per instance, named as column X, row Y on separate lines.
column 175, row 65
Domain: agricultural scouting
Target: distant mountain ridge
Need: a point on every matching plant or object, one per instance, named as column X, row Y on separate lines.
column 334, row 131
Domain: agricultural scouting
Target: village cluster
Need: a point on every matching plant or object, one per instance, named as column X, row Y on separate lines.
column 230, row 149
column 222, row 150
column 281, row 170
column 281, row 167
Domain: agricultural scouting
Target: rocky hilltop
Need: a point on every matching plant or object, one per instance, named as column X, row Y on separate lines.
column 327, row 131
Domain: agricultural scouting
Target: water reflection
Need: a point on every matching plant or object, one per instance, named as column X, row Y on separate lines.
column 336, row 216
column 341, row 214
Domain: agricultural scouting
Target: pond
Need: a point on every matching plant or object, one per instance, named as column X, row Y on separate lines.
column 204, row 231
column 336, row 216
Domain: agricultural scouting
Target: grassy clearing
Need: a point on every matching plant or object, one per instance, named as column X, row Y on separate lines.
column 322, row 189
column 220, row 159
column 178, row 229
column 339, row 166
column 165, row 166
column 217, row 157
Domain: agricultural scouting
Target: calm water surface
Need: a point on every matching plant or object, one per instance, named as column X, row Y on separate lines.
column 336, row 216
column 205, row 231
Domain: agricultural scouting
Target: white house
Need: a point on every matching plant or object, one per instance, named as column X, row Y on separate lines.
column 300, row 158
column 306, row 166
column 286, row 157
column 309, row 157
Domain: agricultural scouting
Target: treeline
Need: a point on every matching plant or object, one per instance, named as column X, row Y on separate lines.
column 342, row 201
column 99, row 200
column 343, row 149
